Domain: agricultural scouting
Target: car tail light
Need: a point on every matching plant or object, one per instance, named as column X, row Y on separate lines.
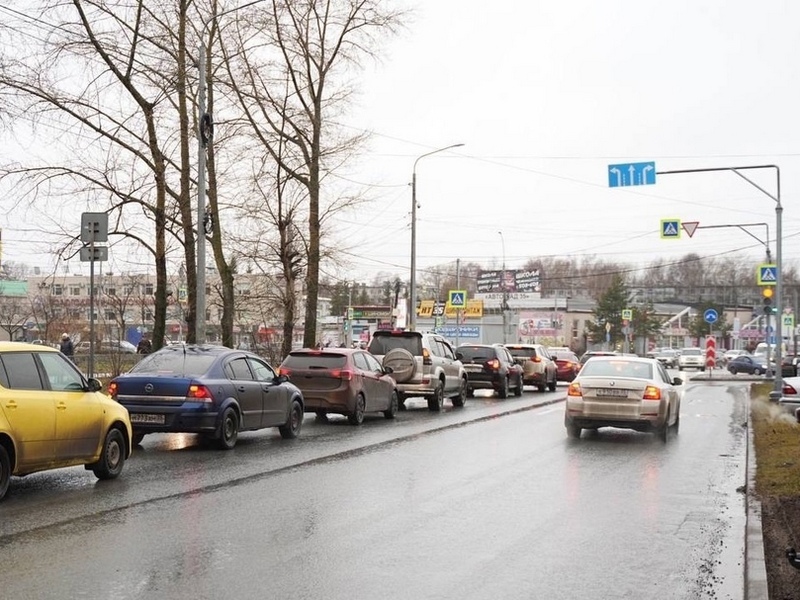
column 493, row 364
column 426, row 357
column 199, row 392
column 536, row 359
column 113, row 388
column 574, row 389
column 651, row 392
column 284, row 371
column 788, row 390
column 343, row 374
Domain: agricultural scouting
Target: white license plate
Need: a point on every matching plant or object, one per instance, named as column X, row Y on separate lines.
column 145, row 418
column 611, row 393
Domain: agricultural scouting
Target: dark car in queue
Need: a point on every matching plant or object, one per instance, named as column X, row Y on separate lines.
column 210, row 390
column 567, row 365
column 345, row 381
column 746, row 363
column 490, row 367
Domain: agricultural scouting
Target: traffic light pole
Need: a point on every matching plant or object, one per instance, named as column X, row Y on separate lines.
column 778, row 386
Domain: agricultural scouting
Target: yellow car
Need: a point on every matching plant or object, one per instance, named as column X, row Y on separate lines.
column 51, row 416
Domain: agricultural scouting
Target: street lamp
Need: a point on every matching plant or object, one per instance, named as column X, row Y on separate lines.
column 504, row 306
column 413, row 291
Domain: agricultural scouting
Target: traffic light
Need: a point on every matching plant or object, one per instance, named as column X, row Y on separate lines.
column 767, row 294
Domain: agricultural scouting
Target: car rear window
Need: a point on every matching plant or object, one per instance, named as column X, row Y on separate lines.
column 617, row 368
column 474, row 353
column 566, row 356
column 381, row 344
column 188, row 364
column 521, row 352
column 315, row 361
column 691, row 352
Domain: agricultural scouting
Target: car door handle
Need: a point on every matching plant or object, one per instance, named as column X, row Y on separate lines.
column 241, row 388
column 11, row 404
column 61, row 406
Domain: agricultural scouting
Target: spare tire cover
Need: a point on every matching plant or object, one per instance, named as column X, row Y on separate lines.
column 402, row 364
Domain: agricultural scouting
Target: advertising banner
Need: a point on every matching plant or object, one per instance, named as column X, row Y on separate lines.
column 510, row 280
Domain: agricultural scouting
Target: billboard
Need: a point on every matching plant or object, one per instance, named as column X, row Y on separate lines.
column 510, row 280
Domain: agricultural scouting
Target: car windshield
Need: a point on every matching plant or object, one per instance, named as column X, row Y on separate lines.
column 476, row 353
column 176, row 363
column 617, row 368
column 314, row 360
column 381, row 344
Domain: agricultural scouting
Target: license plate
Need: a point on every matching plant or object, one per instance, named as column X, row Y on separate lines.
column 145, row 418
column 611, row 393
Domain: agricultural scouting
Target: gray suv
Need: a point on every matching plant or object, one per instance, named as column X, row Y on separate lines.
column 423, row 364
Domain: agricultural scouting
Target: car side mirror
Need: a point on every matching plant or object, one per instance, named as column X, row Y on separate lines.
column 677, row 381
column 282, row 378
column 95, row 385
column 459, row 356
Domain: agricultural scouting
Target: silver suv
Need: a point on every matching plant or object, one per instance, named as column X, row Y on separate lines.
column 423, row 364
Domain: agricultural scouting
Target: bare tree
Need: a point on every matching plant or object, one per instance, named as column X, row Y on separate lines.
column 315, row 42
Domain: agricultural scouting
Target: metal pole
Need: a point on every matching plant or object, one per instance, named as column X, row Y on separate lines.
column 779, row 290
column 412, row 321
column 200, row 293
column 505, row 291
column 458, row 310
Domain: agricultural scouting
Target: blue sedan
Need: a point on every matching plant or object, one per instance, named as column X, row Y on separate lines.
column 211, row 390
column 746, row 363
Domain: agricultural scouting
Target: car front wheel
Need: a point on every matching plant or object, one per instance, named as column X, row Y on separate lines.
column 436, row 402
column 112, row 458
column 391, row 412
column 291, row 429
column 460, row 398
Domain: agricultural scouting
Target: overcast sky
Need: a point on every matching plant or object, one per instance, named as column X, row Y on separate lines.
column 545, row 96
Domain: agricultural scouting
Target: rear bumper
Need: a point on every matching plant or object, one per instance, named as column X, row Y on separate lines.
column 644, row 424
column 334, row 401
column 484, row 381
column 176, row 419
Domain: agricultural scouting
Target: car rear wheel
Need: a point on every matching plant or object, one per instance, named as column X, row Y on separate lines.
column 518, row 389
column 663, row 431
column 391, row 412
column 553, row 384
column 460, row 398
column 112, row 458
column 291, row 429
column 357, row 416
column 732, row 370
column 228, row 429
column 677, row 424
column 436, row 402
column 503, row 391
column 5, row 472
column 573, row 431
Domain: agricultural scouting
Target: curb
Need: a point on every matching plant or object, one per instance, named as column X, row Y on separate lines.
column 755, row 570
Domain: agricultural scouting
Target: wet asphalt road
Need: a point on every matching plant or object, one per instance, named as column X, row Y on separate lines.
column 491, row 501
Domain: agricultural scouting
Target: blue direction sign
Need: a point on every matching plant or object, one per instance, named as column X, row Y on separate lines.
column 625, row 174
column 710, row 315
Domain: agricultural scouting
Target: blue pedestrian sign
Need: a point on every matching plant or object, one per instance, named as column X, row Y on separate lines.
column 625, row 174
column 711, row 316
column 670, row 229
column 767, row 274
column 458, row 298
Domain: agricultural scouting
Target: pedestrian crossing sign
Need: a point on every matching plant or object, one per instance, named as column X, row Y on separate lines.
column 458, row 298
column 767, row 274
column 670, row 229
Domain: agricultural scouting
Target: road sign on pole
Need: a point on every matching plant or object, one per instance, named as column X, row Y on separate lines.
column 670, row 229
column 626, row 174
column 767, row 274
column 710, row 316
